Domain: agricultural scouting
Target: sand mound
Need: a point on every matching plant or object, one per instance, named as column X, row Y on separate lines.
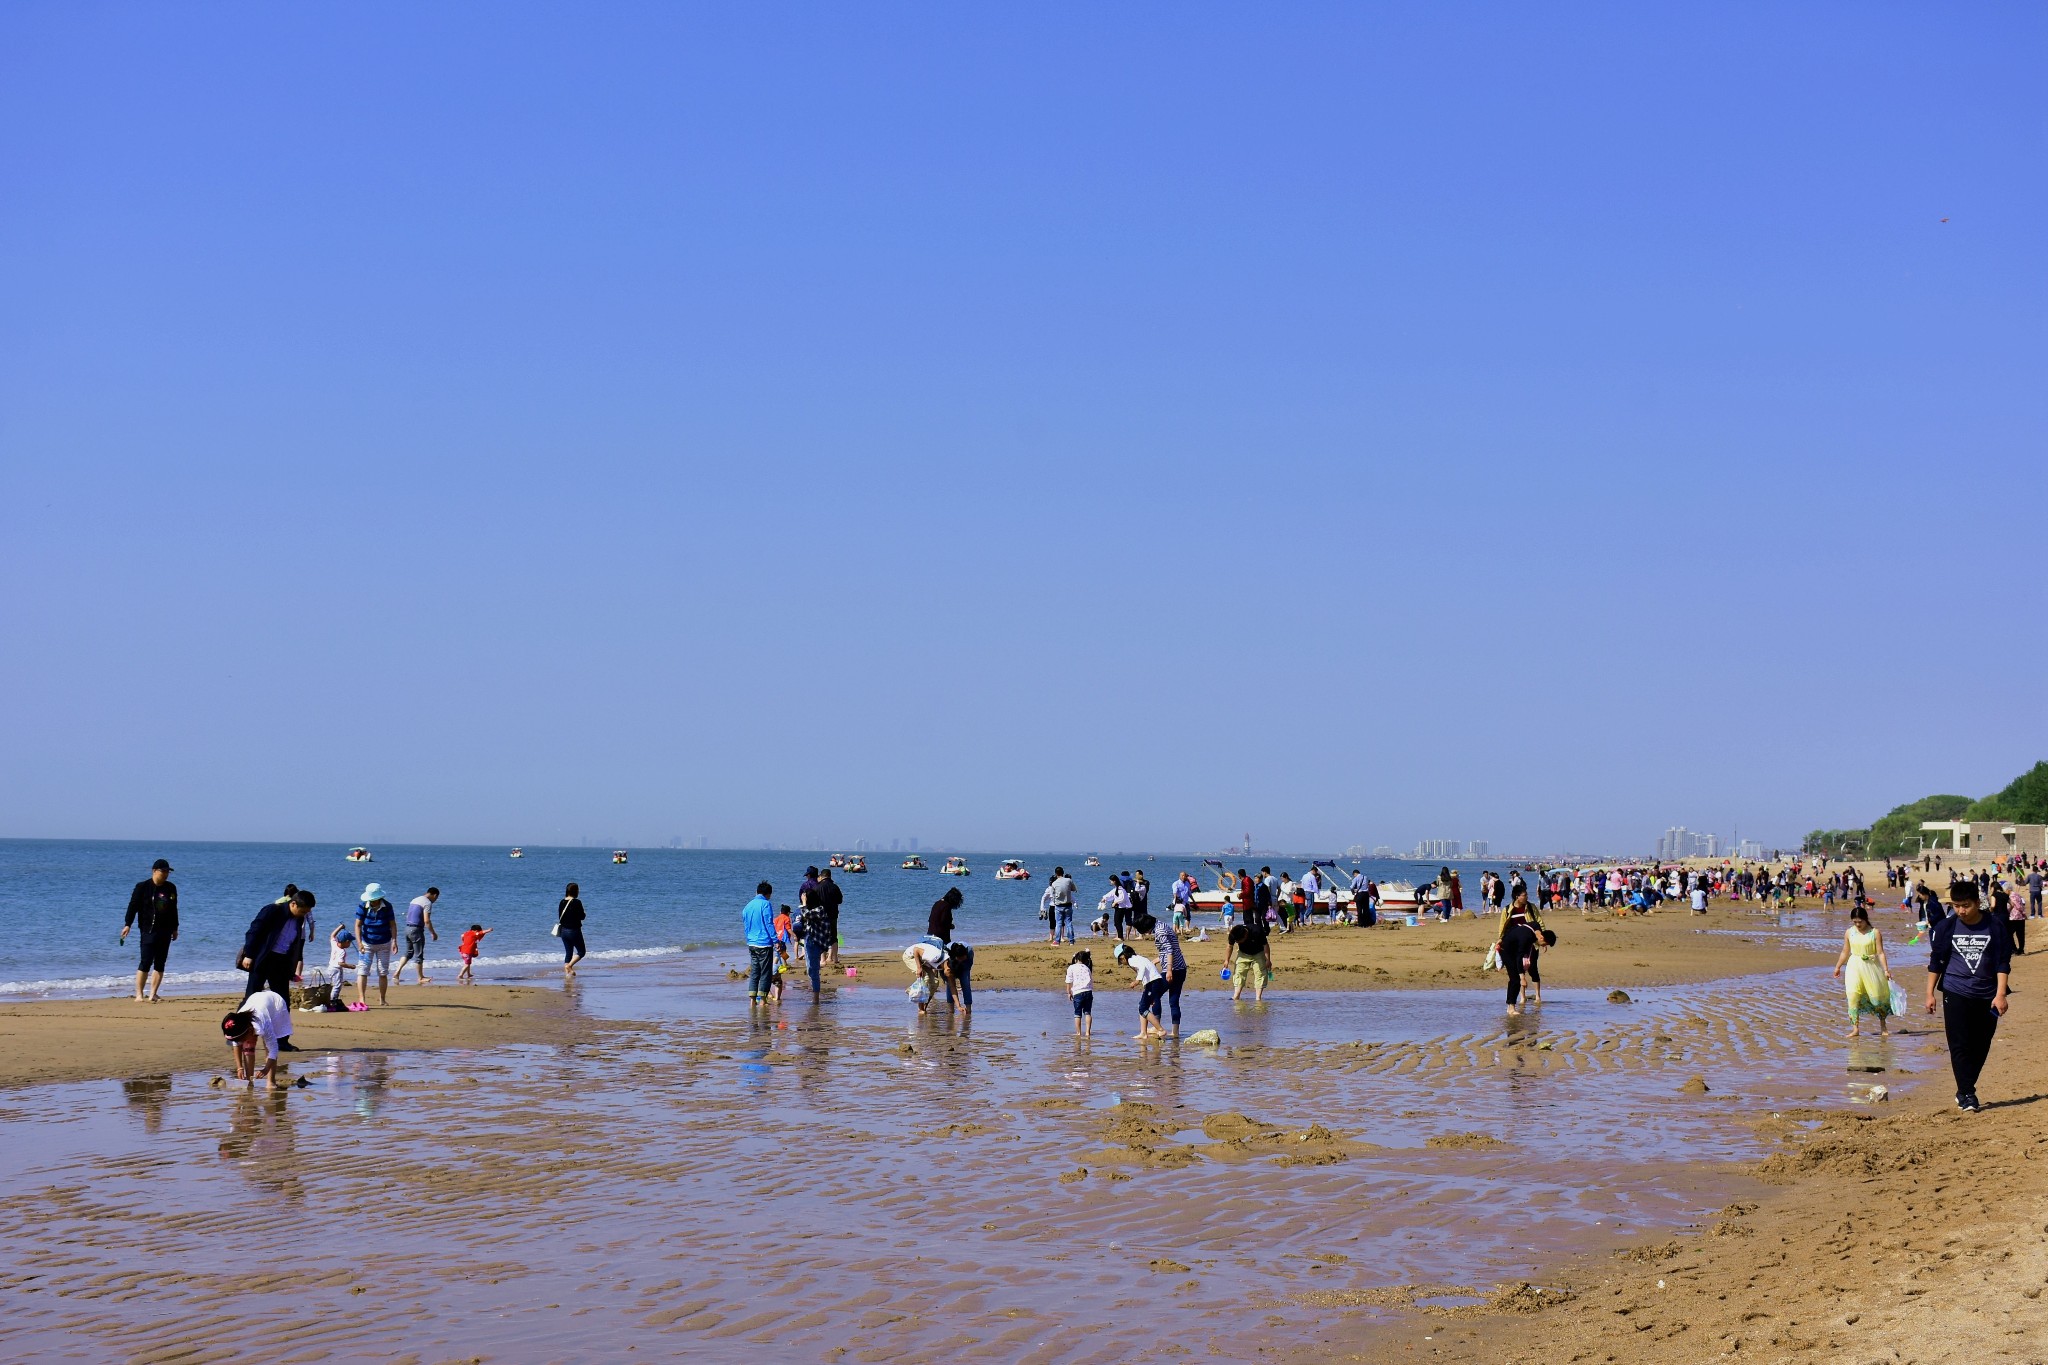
column 1455, row 1141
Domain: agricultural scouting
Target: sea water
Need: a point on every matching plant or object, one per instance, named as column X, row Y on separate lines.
column 61, row 901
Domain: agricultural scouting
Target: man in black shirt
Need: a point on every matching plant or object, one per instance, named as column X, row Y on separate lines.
column 1969, row 961
column 153, row 913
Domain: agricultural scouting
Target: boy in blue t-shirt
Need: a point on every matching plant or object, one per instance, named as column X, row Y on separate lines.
column 1969, row 958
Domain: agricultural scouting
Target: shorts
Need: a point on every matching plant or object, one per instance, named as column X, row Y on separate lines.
column 372, row 958
column 154, row 953
column 1084, row 1003
column 416, row 944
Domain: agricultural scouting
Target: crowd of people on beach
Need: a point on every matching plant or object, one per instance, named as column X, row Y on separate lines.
column 1982, row 920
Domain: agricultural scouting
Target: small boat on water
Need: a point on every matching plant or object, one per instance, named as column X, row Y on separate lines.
column 517, row 853
column 914, row 864
column 618, row 855
column 855, row 863
column 1013, row 870
column 1091, row 861
column 836, row 860
column 956, row 867
column 359, row 855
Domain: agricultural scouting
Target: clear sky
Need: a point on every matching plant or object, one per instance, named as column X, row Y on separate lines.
column 1018, row 425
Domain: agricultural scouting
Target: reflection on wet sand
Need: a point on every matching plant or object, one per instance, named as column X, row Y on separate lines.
column 854, row 1182
column 148, row 1095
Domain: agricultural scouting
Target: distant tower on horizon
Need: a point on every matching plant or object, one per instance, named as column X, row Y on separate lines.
column 1247, row 845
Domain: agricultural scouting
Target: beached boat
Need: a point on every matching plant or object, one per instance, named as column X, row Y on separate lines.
column 618, row 855
column 1091, row 861
column 1013, row 870
column 956, row 867
column 1395, row 898
column 359, row 855
column 855, row 863
column 914, row 864
column 517, row 853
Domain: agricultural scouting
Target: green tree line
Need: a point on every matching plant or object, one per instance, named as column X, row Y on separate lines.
column 2023, row 801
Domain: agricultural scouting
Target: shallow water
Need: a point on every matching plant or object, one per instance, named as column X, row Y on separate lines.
column 849, row 1181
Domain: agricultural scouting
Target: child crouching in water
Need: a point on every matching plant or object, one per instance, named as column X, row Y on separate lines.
column 1081, row 990
column 471, row 945
column 265, row 1018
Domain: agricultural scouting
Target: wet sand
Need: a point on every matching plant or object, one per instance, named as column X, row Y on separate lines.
column 68, row 1040
column 851, row 1182
column 1672, row 945
column 1905, row 1231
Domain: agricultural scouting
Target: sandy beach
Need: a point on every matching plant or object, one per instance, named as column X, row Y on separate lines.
column 75, row 1040
column 1385, row 1169
column 1673, row 945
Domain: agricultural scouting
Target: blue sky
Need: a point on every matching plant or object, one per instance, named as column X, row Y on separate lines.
column 1017, row 425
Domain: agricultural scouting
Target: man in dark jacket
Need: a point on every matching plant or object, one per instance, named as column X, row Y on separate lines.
column 828, row 897
column 153, row 912
column 940, row 923
column 276, row 944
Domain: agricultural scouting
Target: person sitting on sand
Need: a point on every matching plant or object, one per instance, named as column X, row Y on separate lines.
column 1151, row 987
column 264, row 1017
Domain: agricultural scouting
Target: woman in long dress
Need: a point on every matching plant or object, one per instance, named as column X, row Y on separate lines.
column 1867, row 984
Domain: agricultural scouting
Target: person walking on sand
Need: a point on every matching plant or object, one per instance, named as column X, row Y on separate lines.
column 153, row 913
column 275, row 946
column 1969, row 961
column 758, row 919
column 812, row 929
column 419, row 924
column 1081, row 992
column 829, row 897
column 1517, row 952
column 376, row 928
column 1061, row 891
column 1868, row 984
column 1519, row 912
column 569, row 928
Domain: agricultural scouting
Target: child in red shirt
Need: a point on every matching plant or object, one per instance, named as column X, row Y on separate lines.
column 472, row 941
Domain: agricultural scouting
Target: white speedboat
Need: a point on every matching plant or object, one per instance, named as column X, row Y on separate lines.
column 359, row 855
column 517, row 853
